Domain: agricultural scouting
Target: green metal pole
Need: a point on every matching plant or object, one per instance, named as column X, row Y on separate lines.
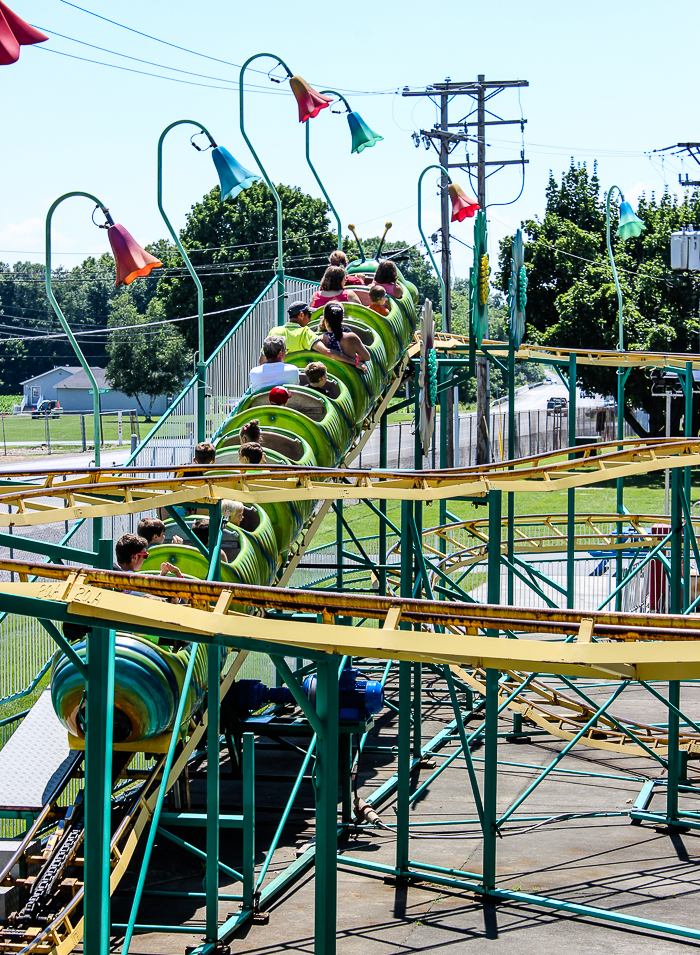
column 278, row 202
column 417, row 668
column 676, row 591
column 167, row 766
column 64, row 324
column 213, row 735
column 201, row 368
column 383, row 437
column 511, row 455
column 444, row 425
column 688, row 422
column 248, row 820
column 490, row 780
column 98, row 789
column 494, row 547
column 339, row 545
column 316, row 175
column 405, row 674
column 491, row 700
column 571, row 494
column 621, row 377
column 326, row 777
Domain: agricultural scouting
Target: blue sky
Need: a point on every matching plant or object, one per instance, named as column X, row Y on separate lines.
column 608, row 81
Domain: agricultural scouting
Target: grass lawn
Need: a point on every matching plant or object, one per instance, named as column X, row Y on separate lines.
column 67, row 428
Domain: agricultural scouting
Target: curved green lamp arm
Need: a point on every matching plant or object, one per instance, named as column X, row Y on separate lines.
column 612, row 263
column 173, row 233
column 64, row 324
column 420, row 229
column 316, row 175
column 278, row 201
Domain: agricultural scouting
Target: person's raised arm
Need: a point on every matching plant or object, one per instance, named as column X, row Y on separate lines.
column 338, row 355
column 360, row 351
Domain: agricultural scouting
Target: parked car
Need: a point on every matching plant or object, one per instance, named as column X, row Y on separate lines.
column 557, row 406
column 49, row 408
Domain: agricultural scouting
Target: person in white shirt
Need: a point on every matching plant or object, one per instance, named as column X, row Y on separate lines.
column 274, row 371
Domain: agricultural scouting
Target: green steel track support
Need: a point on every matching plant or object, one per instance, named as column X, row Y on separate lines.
column 170, row 756
column 511, row 457
column 338, row 508
column 677, row 597
column 326, row 785
column 654, row 552
column 490, row 780
column 465, row 743
column 211, row 885
column 383, row 438
column 613, row 719
column 445, row 424
column 98, row 789
column 571, row 493
column 190, row 538
column 65, row 647
column 513, row 570
column 286, row 812
column 248, row 821
column 404, row 766
column 622, row 377
column 491, row 702
column 562, row 753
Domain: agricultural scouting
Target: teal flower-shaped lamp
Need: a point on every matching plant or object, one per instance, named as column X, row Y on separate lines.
column 630, row 225
column 233, row 177
column 362, row 135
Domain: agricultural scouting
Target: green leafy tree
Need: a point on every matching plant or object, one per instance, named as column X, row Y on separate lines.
column 233, row 246
column 572, row 300
column 148, row 361
column 84, row 294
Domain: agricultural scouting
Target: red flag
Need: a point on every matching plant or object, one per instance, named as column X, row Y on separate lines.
column 14, row 33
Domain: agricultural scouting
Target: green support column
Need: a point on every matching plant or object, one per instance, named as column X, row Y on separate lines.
column 494, row 548
column 405, row 674
column 249, row 820
column 491, row 701
column 213, row 796
column 417, row 667
column 339, row 544
column 213, row 734
column 571, row 494
column 326, row 879
column 403, row 766
column 98, row 789
column 490, row 780
column 417, row 447
column 688, row 420
column 511, row 456
column 345, row 764
column 674, row 687
column 383, row 437
column 444, row 425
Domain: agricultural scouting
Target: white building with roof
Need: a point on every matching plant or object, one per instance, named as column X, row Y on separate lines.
column 69, row 385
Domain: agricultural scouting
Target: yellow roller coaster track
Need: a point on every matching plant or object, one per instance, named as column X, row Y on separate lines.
column 545, row 353
column 598, row 643
column 113, row 491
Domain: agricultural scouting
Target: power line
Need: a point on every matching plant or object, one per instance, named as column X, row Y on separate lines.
column 206, row 56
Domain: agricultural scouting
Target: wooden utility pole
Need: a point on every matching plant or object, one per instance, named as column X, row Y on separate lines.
column 444, row 138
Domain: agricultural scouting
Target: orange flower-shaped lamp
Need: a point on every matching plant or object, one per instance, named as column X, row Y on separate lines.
column 463, row 206
column 132, row 261
column 310, row 102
